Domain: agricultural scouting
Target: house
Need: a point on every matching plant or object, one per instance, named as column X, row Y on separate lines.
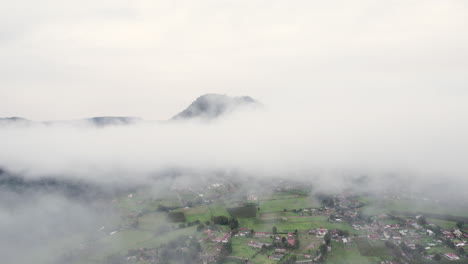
column 451, row 256
column 262, row 234
column 448, row 234
column 457, row 232
column 224, row 238
column 256, row 244
column 252, row 198
column 280, row 250
column 460, row 244
column 276, row 256
column 386, row 235
column 243, row 231
column 411, row 245
column 291, row 239
column 321, row 232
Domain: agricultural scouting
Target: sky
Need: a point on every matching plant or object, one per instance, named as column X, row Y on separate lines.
column 68, row 59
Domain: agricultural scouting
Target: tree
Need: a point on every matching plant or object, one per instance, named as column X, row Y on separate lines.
column 291, row 260
column 227, row 247
column 420, row 248
column 327, row 238
column 461, row 251
column 220, row 220
column 460, row 224
column 437, row 257
column 200, row 227
column 296, row 242
column 275, row 230
column 233, row 223
column 323, row 249
column 422, row 221
column 449, row 243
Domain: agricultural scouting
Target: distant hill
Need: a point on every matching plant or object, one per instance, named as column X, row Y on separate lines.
column 113, row 120
column 206, row 107
column 14, row 121
column 211, row 106
column 99, row 121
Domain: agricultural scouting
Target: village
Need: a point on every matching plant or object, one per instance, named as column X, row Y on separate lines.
column 283, row 223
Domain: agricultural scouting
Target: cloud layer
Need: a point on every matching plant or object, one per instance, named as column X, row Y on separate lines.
column 269, row 142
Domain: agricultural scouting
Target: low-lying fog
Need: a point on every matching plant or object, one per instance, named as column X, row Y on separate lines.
column 424, row 148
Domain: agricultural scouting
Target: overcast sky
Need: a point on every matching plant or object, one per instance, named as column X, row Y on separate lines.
column 73, row 59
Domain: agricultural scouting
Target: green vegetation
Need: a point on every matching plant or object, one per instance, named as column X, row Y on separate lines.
column 243, row 212
column 176, row 217
column 442, row 223
column 289, row 204
column 348, row 254
column 372, row 249
column 144, row 224
column 240, row 248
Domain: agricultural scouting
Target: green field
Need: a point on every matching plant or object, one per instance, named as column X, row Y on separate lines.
column 241, row 249
column 243, row 212
column 348, row 254
column 372, row 248
column 442, row 223
column 262, row 259
column 288, row 204
column 218, row 209
column 309, row 243
column 292, row 224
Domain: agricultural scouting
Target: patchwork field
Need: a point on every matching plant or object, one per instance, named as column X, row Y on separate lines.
column 288, row 204
column 372, row 249
column 291, row 224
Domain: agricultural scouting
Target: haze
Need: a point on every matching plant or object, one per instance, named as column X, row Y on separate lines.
column 349, row 89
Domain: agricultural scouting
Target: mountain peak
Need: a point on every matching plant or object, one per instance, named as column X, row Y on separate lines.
column 211, row 106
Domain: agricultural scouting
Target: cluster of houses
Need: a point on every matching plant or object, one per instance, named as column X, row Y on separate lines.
column 256, row 244
column 252, row 198
column 243, row 232
column 408, row 231
column 217, row 237
column 319, row 232
column 327, row 211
